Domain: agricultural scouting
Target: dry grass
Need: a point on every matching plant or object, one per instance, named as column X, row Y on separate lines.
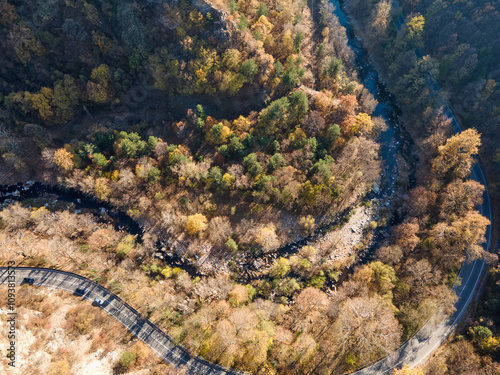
column 54, row 338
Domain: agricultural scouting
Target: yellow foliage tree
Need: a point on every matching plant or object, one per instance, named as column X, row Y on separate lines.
column 64, row 160
column 267, row 238
column 101, row 75
column 280, row 268
column 101, row 41
column 219, row 134
column 97, row 92
column 254, row 349
column 262, row 26
column 101, row 188
column 41, row 102
column 196, row 223
column 308, row 223
column 363, row 125
column 415, row 31
column 287, row 44
column 242, row 124
column 455, row 157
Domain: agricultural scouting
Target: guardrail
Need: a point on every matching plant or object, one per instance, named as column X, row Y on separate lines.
column 430, row 329
column 195, row 364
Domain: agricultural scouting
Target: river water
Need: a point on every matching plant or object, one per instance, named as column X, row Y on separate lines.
column 394, row 141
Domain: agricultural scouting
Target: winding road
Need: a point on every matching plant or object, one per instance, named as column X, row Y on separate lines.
column 161, row 343
column 413, row 353
column 435, row 332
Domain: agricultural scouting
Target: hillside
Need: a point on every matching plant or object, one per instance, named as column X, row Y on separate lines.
column 226, row 169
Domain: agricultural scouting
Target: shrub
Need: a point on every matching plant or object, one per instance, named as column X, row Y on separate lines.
column 124, row 247
column 127, row 359
column 83, row 322
column 231, row 245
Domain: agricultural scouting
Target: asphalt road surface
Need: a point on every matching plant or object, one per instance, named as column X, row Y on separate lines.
column 414, row 352
column 149, row 333
column 437, row 330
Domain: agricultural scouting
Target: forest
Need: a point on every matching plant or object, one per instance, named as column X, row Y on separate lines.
column 309, row 150
column 230, row 130
column 456, row 44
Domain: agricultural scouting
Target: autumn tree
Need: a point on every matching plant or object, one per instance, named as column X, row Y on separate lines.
column 41, row 102
column 280, row 268
column 461, row 197
column 267, row 238
column 463, row 236
column 308, row 224
column 419, row 202
column 219, row 230
column 64, row 160
column 310, row 303
column 238, row 295
column 463, row 359
column 413, row 36
column 102, row 189
column 232, row 59
column 97, row 89
column 313, row 124
column 7, row 13
column 381, row 18
column 363, row 124
column 97, row 92
column 406, row 236
column 345, row 114
column 222, row 346
column 367, row 328
column 59, row 367
column 262, row 28
column 484, row 338
column 218, row 135
column 65, row 98
column 455, row 157
column 196, row 223
column 23, row 41
column 254, row 350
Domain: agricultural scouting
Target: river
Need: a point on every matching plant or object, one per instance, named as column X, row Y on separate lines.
column 394, row 141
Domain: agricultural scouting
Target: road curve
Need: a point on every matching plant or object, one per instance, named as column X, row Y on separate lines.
column 161, row 343
column 413, row 352
column 436, row 331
